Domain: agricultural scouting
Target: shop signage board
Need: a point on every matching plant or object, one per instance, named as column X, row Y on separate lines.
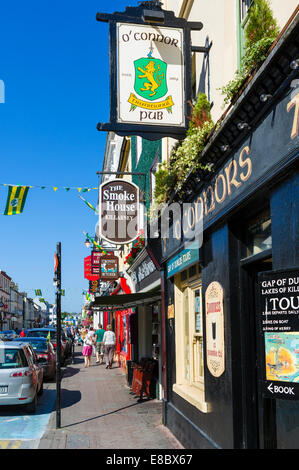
column 254, row 163
column 109, row 268
column 93, row 286
column 278, row 321
column 150, row 75
column 215, row 351
column 145, row 269
column 119, row 214
column 95, row 262
column 150, row 57
column 184, row 259
column 87, row 270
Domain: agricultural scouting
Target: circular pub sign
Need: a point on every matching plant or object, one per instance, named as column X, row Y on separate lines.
column 119, row 211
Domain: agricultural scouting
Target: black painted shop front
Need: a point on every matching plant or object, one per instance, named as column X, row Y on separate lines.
column 250, row 213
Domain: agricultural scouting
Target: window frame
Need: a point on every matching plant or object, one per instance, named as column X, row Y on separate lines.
column 192, row 390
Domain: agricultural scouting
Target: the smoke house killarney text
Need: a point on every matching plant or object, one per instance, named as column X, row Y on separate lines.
column 119, row 211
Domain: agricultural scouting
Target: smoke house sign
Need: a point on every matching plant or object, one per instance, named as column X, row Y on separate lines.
column 119, row 211
column 150, row 75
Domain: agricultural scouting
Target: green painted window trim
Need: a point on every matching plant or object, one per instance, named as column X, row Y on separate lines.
column 240, row 31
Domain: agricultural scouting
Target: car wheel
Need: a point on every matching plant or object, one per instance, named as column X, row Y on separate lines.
column 41, row 390
column 31, row 407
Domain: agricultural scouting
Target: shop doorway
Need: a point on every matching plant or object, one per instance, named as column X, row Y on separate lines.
column 259, row 412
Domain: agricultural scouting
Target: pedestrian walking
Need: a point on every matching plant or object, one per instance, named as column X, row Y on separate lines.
column 109, row 342
column 92, row 334
column 88, row 342
column 99, row 344
column 23, row 334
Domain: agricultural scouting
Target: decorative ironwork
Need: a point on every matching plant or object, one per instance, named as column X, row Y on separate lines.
column 151, row 3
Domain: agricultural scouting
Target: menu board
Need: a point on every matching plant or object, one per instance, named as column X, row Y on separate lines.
column 279, row 329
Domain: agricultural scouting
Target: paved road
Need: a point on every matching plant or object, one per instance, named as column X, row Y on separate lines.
column 21, row 430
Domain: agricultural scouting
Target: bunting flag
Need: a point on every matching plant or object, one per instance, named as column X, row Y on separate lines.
column 88, row 204
column 38, row 292
column 63, row 292
column 55, row 188
column 42, row 300
column 16, row 199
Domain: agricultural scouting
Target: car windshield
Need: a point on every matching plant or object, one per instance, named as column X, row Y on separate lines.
column 42, row 334
column 37, row 344
column 12, row 358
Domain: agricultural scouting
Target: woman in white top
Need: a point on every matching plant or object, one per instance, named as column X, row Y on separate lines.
column 109, row 342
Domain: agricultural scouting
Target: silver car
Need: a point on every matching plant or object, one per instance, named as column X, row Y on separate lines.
column 21, row 375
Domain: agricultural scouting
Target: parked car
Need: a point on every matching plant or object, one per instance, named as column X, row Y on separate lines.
column 9, row 334
column 45, row 352
column 21, row 375
column 43, row 333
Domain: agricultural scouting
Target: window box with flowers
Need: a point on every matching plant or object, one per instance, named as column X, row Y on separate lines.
column 137, row 247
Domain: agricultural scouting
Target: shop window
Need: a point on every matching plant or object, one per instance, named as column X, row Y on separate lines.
column 243, row 8
column 189, row 338
column 259, row 234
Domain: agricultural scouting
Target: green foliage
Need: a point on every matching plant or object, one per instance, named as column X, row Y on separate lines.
column 260, row 33
column 261, row 24
column 185, row 156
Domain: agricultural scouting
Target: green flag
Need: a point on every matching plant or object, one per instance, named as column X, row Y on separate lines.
column 16, row 199
column 38, row 292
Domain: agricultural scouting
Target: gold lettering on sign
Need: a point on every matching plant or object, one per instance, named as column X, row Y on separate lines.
column 220, row 199
column 247, row 162
column 232, row 180
column 199, row 209
column 290, row 105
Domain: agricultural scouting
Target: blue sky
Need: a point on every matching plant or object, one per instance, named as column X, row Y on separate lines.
column 55, row 65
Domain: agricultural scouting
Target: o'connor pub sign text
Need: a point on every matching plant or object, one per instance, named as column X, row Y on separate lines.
column 150, row 79
column 119, row 215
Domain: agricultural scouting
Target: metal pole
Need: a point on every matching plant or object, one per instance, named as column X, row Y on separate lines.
column 58, row 336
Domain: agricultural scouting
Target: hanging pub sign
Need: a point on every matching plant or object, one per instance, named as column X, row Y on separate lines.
column 278, row 320
column 150, row 60
column 119, row 218
column 93, row 286
column 109, row 270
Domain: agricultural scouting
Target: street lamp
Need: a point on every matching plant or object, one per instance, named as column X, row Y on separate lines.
column 87, row 243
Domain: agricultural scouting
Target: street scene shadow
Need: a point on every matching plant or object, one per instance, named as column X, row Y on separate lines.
column 70, row 397
column 69, row 372
column 45, row 405
column 102, row 415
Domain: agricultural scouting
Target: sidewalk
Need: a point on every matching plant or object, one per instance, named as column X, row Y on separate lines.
column 98, row 412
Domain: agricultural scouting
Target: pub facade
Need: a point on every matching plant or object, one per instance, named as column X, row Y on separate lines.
column 229, row 369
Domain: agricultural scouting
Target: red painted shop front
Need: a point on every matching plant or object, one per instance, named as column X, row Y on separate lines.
column 122, row 328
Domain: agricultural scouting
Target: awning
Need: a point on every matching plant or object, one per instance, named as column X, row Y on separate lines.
column 126, row 300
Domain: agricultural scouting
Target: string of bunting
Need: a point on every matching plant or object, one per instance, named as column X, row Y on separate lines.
column 17, row 195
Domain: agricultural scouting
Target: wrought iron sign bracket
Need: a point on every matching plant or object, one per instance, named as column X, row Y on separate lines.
column 202, row 49
column 166, row 115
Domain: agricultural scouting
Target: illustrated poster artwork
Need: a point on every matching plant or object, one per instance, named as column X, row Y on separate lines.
column 150, row 75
